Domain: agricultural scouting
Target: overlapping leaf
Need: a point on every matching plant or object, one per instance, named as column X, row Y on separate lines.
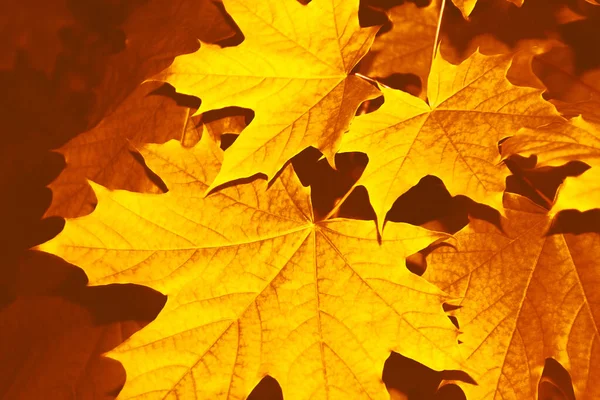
column 292, row 70
column 407, row 48
column 107, row 153
column 557, row 144
column 455, row 137
column 257, row 287
column 526, row 295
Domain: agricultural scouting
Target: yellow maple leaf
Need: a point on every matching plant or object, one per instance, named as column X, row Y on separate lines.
column 526, row 295
column 472, row 106
column 255, row 286
column 292, row 70
column 557, row 144
column 407, row 48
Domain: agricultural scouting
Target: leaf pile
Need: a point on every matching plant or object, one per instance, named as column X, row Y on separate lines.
column 302, row 192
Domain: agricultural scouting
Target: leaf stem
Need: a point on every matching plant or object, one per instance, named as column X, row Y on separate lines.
column 184, row 130
column 436, row 41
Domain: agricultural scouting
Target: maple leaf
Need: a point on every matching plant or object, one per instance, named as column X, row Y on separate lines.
column 106, row 153
column 471, row 107
column 527, row 294
column 407, row 48
column 558, row 143
column 292, row 70
column 255, row 286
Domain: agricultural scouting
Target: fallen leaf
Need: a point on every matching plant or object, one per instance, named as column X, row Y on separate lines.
column 292, row 70
column 526, row 295
column 455, row 137
column 255, row 286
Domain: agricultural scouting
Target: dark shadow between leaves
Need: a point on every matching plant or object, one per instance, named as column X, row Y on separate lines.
column 241, row 181
column 400, row 373
column 213, row 115
column 575, row 222
column 42, row 274
column 370, row 106
column 539, row 184
column 238, row 36
column 149, row 173
column 329, row 185
column 370, row 14
column 409, row 83
column 227, row 139
column 418, row 382
column 426, row 201
column 304, row 164
column 581, row 36
column 180, row 99
column 358, row 206
column 555, row 382
column 450, row 392
column 429, row 204
column 388, row 4
column 267, row 389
